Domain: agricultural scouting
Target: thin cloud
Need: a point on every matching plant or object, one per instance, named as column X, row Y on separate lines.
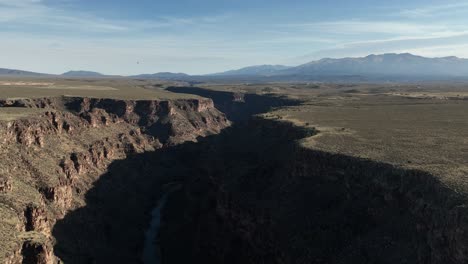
column 349, row 27
column 445, row 35
column 434, row 10
column 28, row 13
column 460, row 50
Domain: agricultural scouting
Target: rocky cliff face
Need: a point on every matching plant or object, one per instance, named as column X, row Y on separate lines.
column 52, row 158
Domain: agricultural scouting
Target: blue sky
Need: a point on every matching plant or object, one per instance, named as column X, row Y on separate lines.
column 197, row 36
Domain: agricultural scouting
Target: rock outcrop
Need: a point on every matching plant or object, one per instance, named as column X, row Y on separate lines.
column 5, row 184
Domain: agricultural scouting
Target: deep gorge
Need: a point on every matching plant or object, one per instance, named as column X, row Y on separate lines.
column 249, row 194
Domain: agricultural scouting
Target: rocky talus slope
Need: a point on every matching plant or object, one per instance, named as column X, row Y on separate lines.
column 50, row 159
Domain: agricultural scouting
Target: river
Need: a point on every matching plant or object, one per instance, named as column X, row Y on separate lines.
column 151, row 251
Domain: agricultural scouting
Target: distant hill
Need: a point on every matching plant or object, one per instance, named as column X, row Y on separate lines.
column 12, row 72
column 163, row 76
column 254, row 70
column 82, row 74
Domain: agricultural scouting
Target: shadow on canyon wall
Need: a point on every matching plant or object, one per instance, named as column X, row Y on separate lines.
column 252, row 195
column 261, row 198
column 238, row 106
column 109, row 228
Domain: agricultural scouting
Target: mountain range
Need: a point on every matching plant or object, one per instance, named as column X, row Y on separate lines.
column 385, row 66
column 162, row 75
column 254, row 70
column 82, row 74
column 390, row 64
column 12, row 72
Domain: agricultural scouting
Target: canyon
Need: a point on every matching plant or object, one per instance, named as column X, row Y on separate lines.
column 52, row 158
column 80, row 177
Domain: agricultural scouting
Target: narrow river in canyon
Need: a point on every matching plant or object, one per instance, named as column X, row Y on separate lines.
column 151, row 249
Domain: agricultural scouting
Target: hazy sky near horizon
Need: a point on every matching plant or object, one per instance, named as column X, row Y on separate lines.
column 204, row 36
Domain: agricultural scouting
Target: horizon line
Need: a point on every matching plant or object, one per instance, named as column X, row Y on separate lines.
column 222, row 71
